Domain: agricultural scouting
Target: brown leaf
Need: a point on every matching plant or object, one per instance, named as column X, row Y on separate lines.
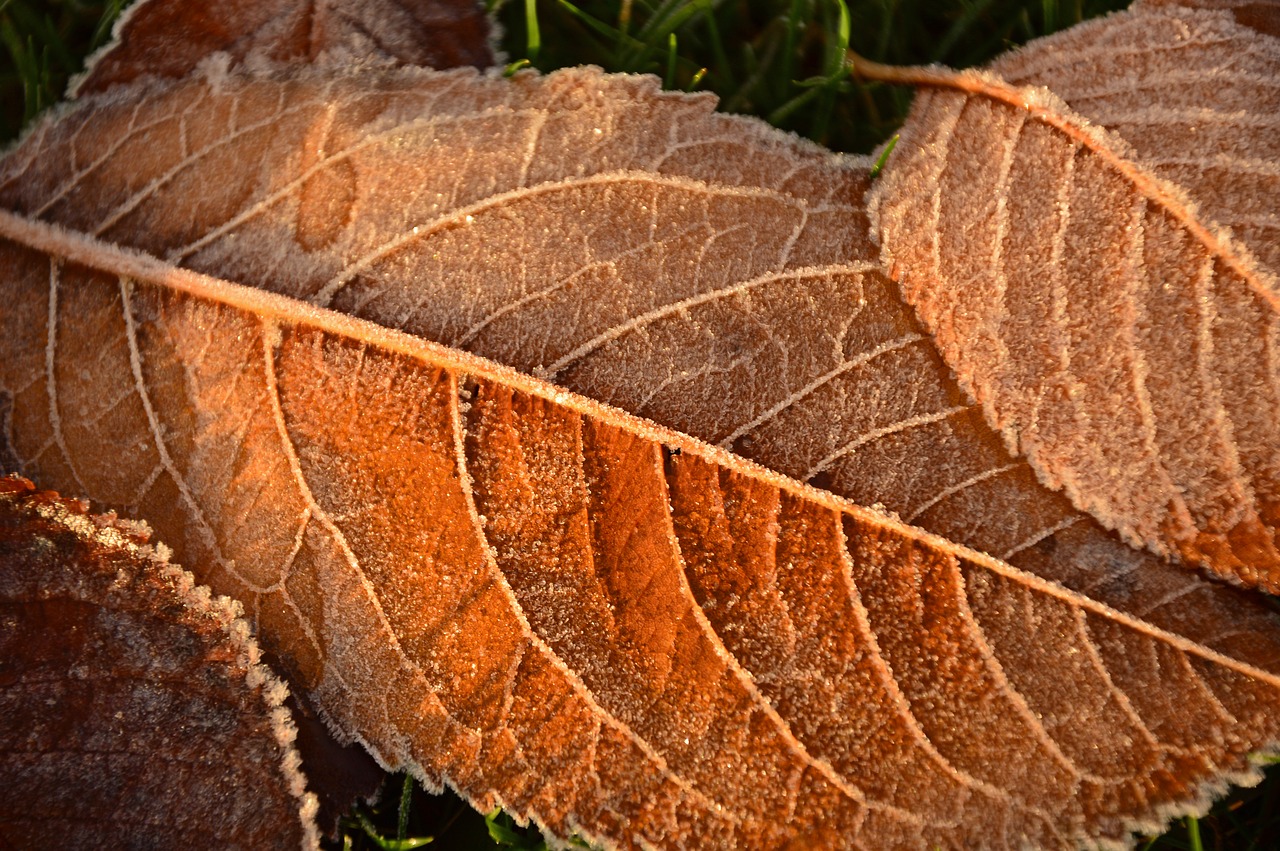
column 133, row 709
column 500, row 216
column 1112, row 330
column 503, row 585
column 169, row 38
column 1194, row 95
column 567, row 654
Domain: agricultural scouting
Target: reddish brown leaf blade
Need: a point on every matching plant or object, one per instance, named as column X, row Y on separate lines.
column 169, row 38
column 422, row 647
column 1118, row 341
column 133, row 708
column 790, row 348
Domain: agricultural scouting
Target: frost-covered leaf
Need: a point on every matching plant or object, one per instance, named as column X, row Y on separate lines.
column 169, row 38
column 1195, row 93
column 134, row 711
column 603, row 625
column 509, row 587
column 696, row 269
column 1113, row 329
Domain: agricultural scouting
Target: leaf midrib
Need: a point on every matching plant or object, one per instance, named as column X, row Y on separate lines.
column 138, row 266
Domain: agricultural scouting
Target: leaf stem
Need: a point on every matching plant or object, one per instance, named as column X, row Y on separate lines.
column 905, row 75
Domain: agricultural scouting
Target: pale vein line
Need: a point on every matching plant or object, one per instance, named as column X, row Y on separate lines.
column 1058, row 336
column 1056, row 62
column 115, row 143
column 1040, row 535
column 286, row 567
column 535, row 135
column 887, row 680
column 1205, row 302
column 996, row 669
column 131, row 203
column 1171, row 597
column 1126, row 705
column 39, row 453
column 1164, row 116
column 1263, row 221
column 862, row 359
column 34, row 147
column 529, row 298
column 106, row 409
column 1235, row 164
column 578, row 687
column 743, row 678
column 941, row 153
column 50, row 371
column 326, row 130
column 883, row 431
column 462, row 216
column 1218, row 705
column 948, row 492
column 999, row 301
column 270, row 334
column 657, row 314
column 1159, row 81
column 784, row 255
column 704, row 371
column 135, row 501
column 153, row 421
column 1138, row 367
column 262, row 205
column 1271, row 344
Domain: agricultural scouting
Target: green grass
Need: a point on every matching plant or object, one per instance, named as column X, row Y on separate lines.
column 783, row 59
column 778, row 59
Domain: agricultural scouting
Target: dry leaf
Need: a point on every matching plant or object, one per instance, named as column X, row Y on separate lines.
column 1193, row 94
column 552, row 656
column 169, row 38
column 1114, row 330
column 745, row 309
column 134, row 711
column 520, row 591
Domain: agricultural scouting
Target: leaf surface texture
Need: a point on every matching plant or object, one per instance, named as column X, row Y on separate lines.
column 615, row 629
column 120, row 678
column 695, row 269
column 169, row 38
column 1118, row 328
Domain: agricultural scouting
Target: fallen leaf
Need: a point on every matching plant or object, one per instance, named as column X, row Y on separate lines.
column 510, row 587
column 1191, row 91
column 1117, row 327
column 169, row 39
column 747, row 308
column 134, row 711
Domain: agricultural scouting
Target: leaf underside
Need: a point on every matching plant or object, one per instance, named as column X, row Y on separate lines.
column 746, row 309
column 559, row 657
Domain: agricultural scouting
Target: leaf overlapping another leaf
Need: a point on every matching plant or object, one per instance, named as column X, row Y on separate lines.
column 1113, row 330
column 506, row 585
column 696, row 269
column 426, row 651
